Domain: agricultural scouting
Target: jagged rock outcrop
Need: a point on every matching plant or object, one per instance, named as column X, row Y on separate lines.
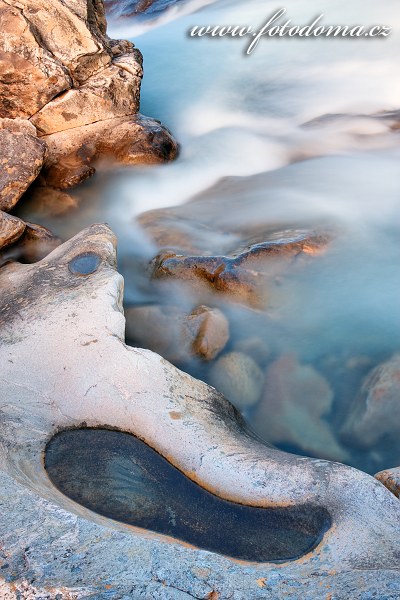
column 61, row 71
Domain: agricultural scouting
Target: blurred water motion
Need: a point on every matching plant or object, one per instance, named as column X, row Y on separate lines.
column 302, row 132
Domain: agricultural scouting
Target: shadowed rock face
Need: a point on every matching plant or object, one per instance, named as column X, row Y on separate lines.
column 65, row 365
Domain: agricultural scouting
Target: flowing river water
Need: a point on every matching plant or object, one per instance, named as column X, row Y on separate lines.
column 245, row 116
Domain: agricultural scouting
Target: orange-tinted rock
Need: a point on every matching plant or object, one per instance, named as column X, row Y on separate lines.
column 245, row 271
column 176, row 334
column 390, row 479
column 60, row 69
column 11, row 228
column 113, row 92
column 209, row 330
column 128, row 140
column 70, row 33
column 30, row 76
column 21, row 158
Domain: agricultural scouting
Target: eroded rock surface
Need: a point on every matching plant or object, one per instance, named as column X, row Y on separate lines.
column 127, row 140
column 74, row 298
column 60, row 70
column 22, row 155
column 11, row 229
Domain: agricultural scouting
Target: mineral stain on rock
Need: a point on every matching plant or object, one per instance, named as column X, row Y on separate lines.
column 119, row 476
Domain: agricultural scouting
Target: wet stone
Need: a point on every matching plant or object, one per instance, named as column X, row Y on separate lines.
column 239, row 378
column 175, row 333
column 374, row 417
column 291, row 413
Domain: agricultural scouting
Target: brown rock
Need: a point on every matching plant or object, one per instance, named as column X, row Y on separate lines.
column 113, row 92
column 296, row 398
column 21, row 158
column 30, row 75
column 239, row 378
column 390, row 479
column 246, row 270
column 128, row 140
column 11, row 229
column 208, row 331
column 375, row 413
column 175, row 334
column 59, row 68
column 70, row 33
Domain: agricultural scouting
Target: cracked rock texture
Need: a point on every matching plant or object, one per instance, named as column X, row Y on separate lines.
column 60, row 71
column 21, row 157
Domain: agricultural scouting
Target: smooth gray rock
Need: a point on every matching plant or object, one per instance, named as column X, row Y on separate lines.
column 64, row 364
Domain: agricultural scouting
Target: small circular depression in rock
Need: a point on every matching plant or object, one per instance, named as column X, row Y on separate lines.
column 118, row 476
column 85, row 264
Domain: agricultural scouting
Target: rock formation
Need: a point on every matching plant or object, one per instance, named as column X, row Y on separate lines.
column 240, row 257
column 61, row 324
column 62, row 73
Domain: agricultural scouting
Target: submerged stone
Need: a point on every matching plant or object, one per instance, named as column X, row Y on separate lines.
column 239, row 378
column 375, row 412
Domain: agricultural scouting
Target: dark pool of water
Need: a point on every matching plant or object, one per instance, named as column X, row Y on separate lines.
column 118, row 476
